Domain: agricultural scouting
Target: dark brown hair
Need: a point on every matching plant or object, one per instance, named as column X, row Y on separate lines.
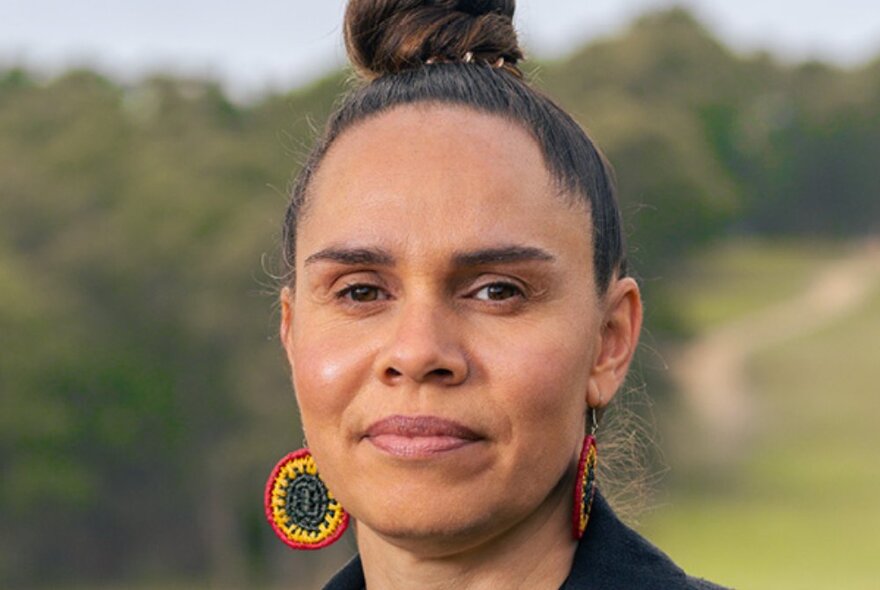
column 463, row 52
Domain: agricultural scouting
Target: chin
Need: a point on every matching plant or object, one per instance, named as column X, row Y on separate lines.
column 431, row 533
column 434, row 505
column 437, row 521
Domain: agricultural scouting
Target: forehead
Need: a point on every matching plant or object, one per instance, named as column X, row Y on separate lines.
column 435, row 175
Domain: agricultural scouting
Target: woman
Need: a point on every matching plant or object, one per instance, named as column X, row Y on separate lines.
column 457, row 313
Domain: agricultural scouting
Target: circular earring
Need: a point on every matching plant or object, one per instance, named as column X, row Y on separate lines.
column 585, row 484
column 302, row 511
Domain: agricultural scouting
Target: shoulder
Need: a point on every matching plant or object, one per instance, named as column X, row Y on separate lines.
column 701, row 584
column 350, row 577
column 612, row 556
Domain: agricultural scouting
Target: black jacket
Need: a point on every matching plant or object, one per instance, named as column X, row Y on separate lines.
column 611, row 556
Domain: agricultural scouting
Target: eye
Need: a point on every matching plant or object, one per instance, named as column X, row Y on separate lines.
column 362, row 293
column 498, row 292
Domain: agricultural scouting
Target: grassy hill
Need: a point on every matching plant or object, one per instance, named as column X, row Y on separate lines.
column 797, row 508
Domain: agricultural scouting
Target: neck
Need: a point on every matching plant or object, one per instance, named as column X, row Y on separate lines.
column 535, row 553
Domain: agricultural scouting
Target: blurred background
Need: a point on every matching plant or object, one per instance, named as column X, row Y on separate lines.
column 146, row 150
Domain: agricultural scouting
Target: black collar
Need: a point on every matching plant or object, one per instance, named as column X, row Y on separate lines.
column 611, row 556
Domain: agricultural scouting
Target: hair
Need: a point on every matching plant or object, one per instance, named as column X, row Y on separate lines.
column 463, row 52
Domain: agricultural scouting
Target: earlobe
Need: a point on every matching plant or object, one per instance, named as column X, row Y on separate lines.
column 617, row 343
column 595, row 397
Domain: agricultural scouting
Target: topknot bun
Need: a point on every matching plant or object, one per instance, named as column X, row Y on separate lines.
column 388, row 36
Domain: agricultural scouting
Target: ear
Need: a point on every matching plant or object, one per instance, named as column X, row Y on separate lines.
column 618, row 337
column 286, row 327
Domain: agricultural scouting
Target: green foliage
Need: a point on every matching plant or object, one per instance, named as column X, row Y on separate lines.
column 143, row 396
column 134, row 333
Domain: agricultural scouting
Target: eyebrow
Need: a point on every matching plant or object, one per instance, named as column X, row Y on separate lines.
column 502, row 255
column 483, row 256
column 352, row 256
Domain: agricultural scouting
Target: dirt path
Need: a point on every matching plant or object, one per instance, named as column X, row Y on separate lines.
column 711, row 372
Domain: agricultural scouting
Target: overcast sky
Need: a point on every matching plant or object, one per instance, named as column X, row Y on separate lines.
column 256, row 44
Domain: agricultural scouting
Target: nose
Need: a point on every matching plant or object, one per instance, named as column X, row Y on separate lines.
column 424, row 346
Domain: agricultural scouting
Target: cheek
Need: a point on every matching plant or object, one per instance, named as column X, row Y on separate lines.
column 543, row 382
column 327, row 372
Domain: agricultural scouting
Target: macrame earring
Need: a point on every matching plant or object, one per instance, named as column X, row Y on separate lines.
column 585, row 485
column 300, row 508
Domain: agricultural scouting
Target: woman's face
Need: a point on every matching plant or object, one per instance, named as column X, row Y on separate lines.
column 444, row 330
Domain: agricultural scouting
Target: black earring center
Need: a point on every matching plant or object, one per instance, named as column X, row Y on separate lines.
column 307, row 502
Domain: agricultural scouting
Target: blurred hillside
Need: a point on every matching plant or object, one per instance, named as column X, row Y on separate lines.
column 144, row 398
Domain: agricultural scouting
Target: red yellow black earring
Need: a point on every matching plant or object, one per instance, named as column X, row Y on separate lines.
column 585, row 485
column 302, row 511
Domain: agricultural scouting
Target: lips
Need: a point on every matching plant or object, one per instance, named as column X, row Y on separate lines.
column 419, row 436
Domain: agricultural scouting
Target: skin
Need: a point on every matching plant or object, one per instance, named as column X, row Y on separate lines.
column 436, row 278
